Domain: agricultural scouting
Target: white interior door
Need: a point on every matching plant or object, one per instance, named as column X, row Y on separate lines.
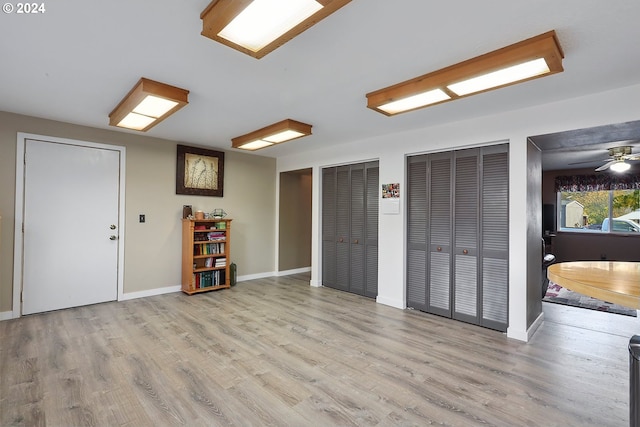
column 71, row 223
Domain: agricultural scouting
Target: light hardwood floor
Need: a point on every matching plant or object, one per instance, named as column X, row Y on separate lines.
column 279, row 352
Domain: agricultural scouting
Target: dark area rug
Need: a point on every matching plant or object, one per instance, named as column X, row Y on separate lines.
column 559, row 295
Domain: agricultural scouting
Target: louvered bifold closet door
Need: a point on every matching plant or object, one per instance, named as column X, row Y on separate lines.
column 439, row 234
column 343, row 206
column 372, row 183
column 465, row 251
column 495, row 237
column 356, row 237
column 417, row 232
column 329, row 227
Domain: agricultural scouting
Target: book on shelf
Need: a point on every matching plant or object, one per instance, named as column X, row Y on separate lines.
column 208, row 248
column 207, row 279
column 216, row 235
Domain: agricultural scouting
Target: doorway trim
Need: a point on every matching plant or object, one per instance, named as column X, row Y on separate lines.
column 19, row 210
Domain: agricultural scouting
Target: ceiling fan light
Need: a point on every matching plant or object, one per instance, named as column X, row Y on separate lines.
column 620, row 166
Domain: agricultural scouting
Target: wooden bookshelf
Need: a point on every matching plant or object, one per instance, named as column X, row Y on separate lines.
column 205, row 255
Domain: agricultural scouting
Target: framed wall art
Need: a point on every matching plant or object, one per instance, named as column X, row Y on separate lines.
column 199, row 171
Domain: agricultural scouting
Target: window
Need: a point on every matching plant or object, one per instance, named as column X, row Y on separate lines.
column 596, row 211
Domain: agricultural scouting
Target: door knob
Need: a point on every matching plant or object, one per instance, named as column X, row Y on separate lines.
column 341, row 240
column 112, row 226
column 439, row 249
column 112, row 237
column 356, row 241
column 465, row 251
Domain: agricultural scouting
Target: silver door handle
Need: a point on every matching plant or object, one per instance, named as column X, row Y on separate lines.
column 112, row 237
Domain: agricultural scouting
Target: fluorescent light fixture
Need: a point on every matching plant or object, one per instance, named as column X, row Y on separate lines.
column 257, row 27
column 502, row 77
column 147, row 104
column 620, row 166
column 416, row 101
column 135, row 121
column 526, row 60
column 283, row 136
column 266, row 20
column 154, row 106
column 276, row 133
column 255, row 145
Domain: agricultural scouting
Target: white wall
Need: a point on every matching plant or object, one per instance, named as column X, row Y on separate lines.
column 153, row 249
column 391, row 150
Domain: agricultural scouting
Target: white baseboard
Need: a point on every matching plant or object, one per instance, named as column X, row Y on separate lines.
column 149, row 293
column 170, row 289
column 294, row 271
column 256, row 276
column 525, row 336
column 535, row 325
column 6, row 315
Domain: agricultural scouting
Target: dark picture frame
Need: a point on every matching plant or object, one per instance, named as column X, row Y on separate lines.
column 199, row 171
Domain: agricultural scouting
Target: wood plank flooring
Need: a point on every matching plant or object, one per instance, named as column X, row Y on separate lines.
column 278, row 352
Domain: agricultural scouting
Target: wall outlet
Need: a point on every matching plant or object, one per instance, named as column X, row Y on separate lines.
column 142, row 218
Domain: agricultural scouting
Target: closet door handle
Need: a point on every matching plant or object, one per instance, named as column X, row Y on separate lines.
column 355, row 241
column 439, row 249
column 340, row 240
column 464, row 251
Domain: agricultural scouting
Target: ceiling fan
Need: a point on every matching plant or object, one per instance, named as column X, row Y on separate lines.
column 617, row 161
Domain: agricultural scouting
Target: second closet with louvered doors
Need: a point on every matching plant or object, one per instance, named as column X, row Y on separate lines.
column 458, row 233
column 350, row 228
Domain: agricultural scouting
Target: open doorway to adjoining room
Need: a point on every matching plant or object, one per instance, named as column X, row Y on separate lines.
column 294, row 237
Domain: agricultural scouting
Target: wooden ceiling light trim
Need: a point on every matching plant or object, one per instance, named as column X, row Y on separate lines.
column 285, row 125
column 146, row 87
column 219, row 13
column 544, row 46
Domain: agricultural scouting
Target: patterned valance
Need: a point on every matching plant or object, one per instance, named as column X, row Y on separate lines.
column 599, row 182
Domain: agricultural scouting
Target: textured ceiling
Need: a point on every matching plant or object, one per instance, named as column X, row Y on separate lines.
column 75, row 62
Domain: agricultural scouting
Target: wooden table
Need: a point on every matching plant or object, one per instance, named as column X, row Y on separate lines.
column 612, row 281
